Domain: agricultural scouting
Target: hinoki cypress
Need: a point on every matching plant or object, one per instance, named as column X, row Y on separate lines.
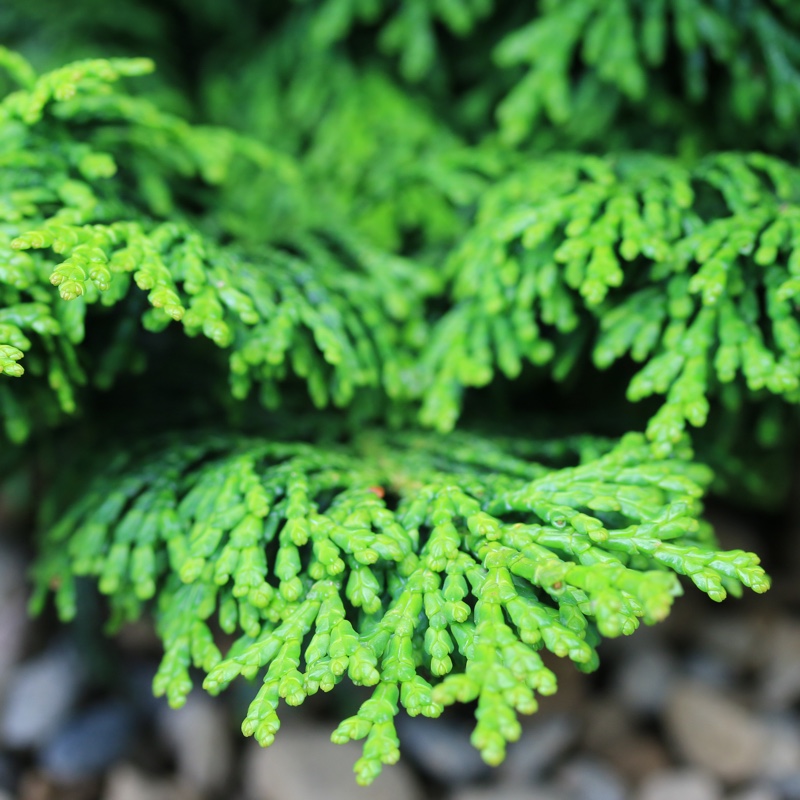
column 396, row 340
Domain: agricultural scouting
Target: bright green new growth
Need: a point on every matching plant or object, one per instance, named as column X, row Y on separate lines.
column 700, row 248
column 431, row 568
column 384, row 226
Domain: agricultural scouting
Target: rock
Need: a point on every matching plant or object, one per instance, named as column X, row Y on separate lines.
column 788, row 786
column 37, row 786
column 127, row 783
column 605, row 725
column 40, row 694
column 506, row 793
column 12, row 573
column 680, row 784
column 14, row 618
column 201, row 738
column 637, row 756
column 644, row 679
column 756, row 792
column 737, row 640
column 87, row 744
column 303, row 764
column 780, row 678
column 782, row 752
column 589, row 779
column 712, row 732
column 8, row 772
column 441, row 749
column 540, row 746
column 709, row 669
column 5, row 795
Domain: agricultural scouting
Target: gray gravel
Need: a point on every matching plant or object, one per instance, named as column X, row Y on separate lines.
column 644, row 680
column 545, row 739
column 756, row 792
column 40, row 694
column 712, row 731
column 440, row 748
column 507, row 793
column 201, row 738
column 780, row 679
column 13, row 614
column 128, row 783
column 680, row 784
column 89, row 743
column 303, row 764
column 589, row 779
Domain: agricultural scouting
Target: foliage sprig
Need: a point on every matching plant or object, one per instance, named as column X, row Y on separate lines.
column 692, row 273
column 433, row 569
column 416, row 212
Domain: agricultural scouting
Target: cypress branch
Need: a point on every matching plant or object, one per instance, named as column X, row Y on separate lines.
column 436, row 195
column 431, row 568
column 652, row 260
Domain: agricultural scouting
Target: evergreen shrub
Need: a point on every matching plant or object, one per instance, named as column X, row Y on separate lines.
column 396, row 341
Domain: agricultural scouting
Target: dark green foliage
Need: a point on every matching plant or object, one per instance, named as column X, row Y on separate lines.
column 425, row 216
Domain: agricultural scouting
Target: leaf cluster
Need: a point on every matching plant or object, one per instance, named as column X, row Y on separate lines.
column 432, row 569
column 407, row 209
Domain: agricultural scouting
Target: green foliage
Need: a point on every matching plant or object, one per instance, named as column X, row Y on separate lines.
column 430, row 216
column 432, row 569
column 629, row 49
column 692, row 272
column 368, row 149
column 339, row 313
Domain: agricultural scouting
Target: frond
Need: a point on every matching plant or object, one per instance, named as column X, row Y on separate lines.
column 433, row 569
column 691, row 272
